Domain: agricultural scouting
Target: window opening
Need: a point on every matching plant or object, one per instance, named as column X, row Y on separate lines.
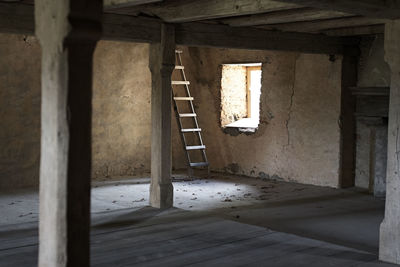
column 240, row 96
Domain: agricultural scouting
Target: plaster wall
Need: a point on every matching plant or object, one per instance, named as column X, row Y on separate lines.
column 363, row 155
column 298, row 137
column 20, row 61
column 121, row 110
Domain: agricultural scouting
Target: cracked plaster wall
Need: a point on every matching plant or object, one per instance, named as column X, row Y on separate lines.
column 298, row 138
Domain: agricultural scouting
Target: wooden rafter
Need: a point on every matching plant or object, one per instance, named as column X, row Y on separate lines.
column 109, row 4
column 320, row 25
column 293, row 15
column 387, row 9
column 139, row 29
column 194, row 10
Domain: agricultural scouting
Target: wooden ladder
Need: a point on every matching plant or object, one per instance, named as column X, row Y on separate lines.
column 182, row 98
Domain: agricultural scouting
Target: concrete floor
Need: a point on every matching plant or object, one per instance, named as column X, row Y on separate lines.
column 349, row 218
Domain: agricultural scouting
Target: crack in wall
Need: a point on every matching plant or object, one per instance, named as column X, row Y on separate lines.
column 290, row 111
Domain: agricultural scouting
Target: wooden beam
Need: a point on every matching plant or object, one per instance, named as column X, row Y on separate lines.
column 161, row 64
column 131, row 29
column 387, row 9
column 17, row 18
column 319, row 25
column 389, row 242
column 200, row 34
column 193, row 10
column 110, row 4
column 355, row 31
column 139, row 29
column 293, row 15
column 370, row 91
column 68, row 32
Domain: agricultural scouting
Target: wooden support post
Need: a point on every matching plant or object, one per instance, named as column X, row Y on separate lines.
column 162, row 63
column 68, row 32
column 348, row 128
column 389, row 245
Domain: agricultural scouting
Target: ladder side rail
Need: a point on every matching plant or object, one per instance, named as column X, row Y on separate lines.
column 191, row 102
column 183, row 139
column 199, row 135
column 179, row 122
column 193, row 111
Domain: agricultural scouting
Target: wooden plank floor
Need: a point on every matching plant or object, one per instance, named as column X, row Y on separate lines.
column 201, row 241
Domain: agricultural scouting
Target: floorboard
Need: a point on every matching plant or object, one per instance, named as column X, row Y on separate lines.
column 210, row 241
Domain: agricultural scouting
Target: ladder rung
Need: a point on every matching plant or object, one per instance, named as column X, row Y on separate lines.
column 183, row 115
column 191, row 130
column 183, row 98
column 178, row 51
column 180, row 82
column 198, row 164
column 195, row 147
column 179, row 67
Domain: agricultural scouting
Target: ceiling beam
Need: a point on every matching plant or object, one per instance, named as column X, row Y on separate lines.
column 387, row 9
column 176, row 11
column 200, row 34
column 138, row 29
column 16, row 18
column 355, row 31
column 294, row 15
column 370, row 91
column 19, row 19
column 131, row 29
column 320, row 25
column 109, row 4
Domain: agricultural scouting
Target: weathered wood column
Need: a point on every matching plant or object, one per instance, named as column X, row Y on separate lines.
column 389, row 245
column 161, row 63
column 68, row 31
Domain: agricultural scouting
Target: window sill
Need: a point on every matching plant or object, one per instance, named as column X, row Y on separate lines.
column 244, row 123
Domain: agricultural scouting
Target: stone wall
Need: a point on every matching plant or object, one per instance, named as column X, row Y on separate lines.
column 233, row 93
